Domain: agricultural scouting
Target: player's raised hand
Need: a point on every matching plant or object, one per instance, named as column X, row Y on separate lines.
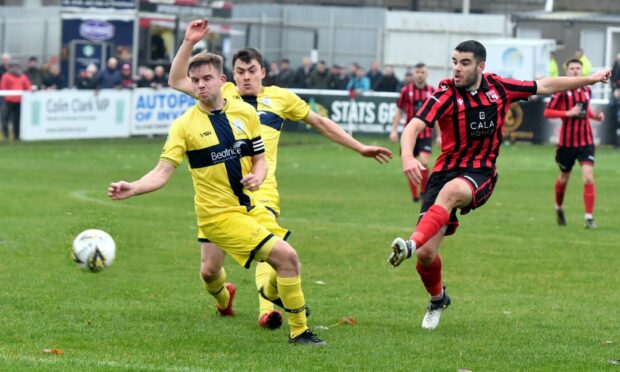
column 381, row 154
column 251, row 182
column 602, row 76
column 120, row 190
column 413, row 169
column 196, row 30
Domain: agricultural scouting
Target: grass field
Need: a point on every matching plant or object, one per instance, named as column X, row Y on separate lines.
column 527, row 295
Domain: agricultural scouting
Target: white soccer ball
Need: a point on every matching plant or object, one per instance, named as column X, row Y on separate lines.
column 93, row 250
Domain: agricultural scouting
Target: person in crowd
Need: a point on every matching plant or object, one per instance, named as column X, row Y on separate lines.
column 388, row 81
column 553, row 69
column 585, row 62
column 110, row 76
column 339, row 78
column 359, row 83
column 286, row 77
column 303, row 74
column 374, row 74
column 54, row 79
column 271, row 78
column 87, row 78
column 320, row 77
column 13, row 79
column 160, row 77
column 34, row 73
column 147, row 79
column 127, row 79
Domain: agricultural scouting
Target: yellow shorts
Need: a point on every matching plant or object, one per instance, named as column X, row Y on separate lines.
column 269, row 198
column 244, row 236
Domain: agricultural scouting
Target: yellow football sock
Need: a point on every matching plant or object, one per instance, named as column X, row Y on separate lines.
column 293, row 300
column 266, row 278
column 217, row 289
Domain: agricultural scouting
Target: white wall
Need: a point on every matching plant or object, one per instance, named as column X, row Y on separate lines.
column 412, row 37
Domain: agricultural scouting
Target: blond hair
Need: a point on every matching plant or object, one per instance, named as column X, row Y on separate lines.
column 206, row 58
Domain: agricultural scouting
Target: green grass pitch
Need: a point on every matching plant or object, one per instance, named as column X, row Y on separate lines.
column 527, row 294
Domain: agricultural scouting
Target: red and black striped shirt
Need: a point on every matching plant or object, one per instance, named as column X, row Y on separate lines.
column 471, row 121
column 576, row 131
column 411, row 99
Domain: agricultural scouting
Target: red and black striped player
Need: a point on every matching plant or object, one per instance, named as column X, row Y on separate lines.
column 576, row 142
column 470, row 109
column 411, row 98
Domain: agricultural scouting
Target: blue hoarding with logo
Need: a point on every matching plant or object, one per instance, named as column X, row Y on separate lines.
column 93, row 38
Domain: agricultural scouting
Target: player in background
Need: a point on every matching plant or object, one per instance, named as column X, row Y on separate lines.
column 576, row 142
column 470, row 109
column 411, row 98
column 221, row 139
column 274, row 105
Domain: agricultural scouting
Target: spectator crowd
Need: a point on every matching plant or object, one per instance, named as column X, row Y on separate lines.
column 319, row 76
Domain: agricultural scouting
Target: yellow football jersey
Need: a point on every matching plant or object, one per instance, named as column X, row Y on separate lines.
column 274, row 105
column 219, row 146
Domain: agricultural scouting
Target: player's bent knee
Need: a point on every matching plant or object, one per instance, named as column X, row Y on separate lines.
column 284, row 257
column 425, row 255
column 209, row 271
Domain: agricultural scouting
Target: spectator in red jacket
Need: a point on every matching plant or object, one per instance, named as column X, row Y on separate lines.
column 13, row 80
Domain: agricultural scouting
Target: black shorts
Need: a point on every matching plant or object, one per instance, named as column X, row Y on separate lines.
column 422, row 145
column 482, row 183
column 566, row 156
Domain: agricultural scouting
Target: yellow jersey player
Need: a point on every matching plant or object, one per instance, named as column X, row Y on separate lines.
column 221, row 139
column 274, row 105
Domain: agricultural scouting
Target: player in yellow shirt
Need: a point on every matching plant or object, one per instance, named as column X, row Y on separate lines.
column 221, row 139
column 274, row 105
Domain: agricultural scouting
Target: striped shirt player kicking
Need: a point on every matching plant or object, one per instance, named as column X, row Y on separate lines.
column 411, row 98
column 576, row 142
column 470, row 109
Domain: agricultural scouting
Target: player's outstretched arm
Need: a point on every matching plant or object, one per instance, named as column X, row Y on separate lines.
column 411, row 166
column 153, row 180
column 253, row 180
column 335, row 133
column 178, row 79
column 557, row 84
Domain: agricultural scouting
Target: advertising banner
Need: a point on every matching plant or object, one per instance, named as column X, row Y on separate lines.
column 154, row 110
column 70, row 114
column 368, row 113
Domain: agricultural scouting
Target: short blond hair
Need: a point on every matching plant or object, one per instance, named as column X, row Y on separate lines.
column 206, row 58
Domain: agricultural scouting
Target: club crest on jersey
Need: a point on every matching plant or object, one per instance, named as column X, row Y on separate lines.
column 444, row 87
column 492, row 95
column 238, row 125
column 266, row 101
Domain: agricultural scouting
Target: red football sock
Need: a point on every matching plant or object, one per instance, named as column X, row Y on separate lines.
column 560, row 188
column 431, row 276
column 434, row 219
column 589, row 194
column 424, row 180
column 414, row 189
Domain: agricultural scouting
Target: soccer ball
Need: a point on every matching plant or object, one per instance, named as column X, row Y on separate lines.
column 93, row 250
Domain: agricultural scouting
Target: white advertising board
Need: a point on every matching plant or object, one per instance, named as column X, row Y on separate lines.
column 154, row 110
column 72, row 114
